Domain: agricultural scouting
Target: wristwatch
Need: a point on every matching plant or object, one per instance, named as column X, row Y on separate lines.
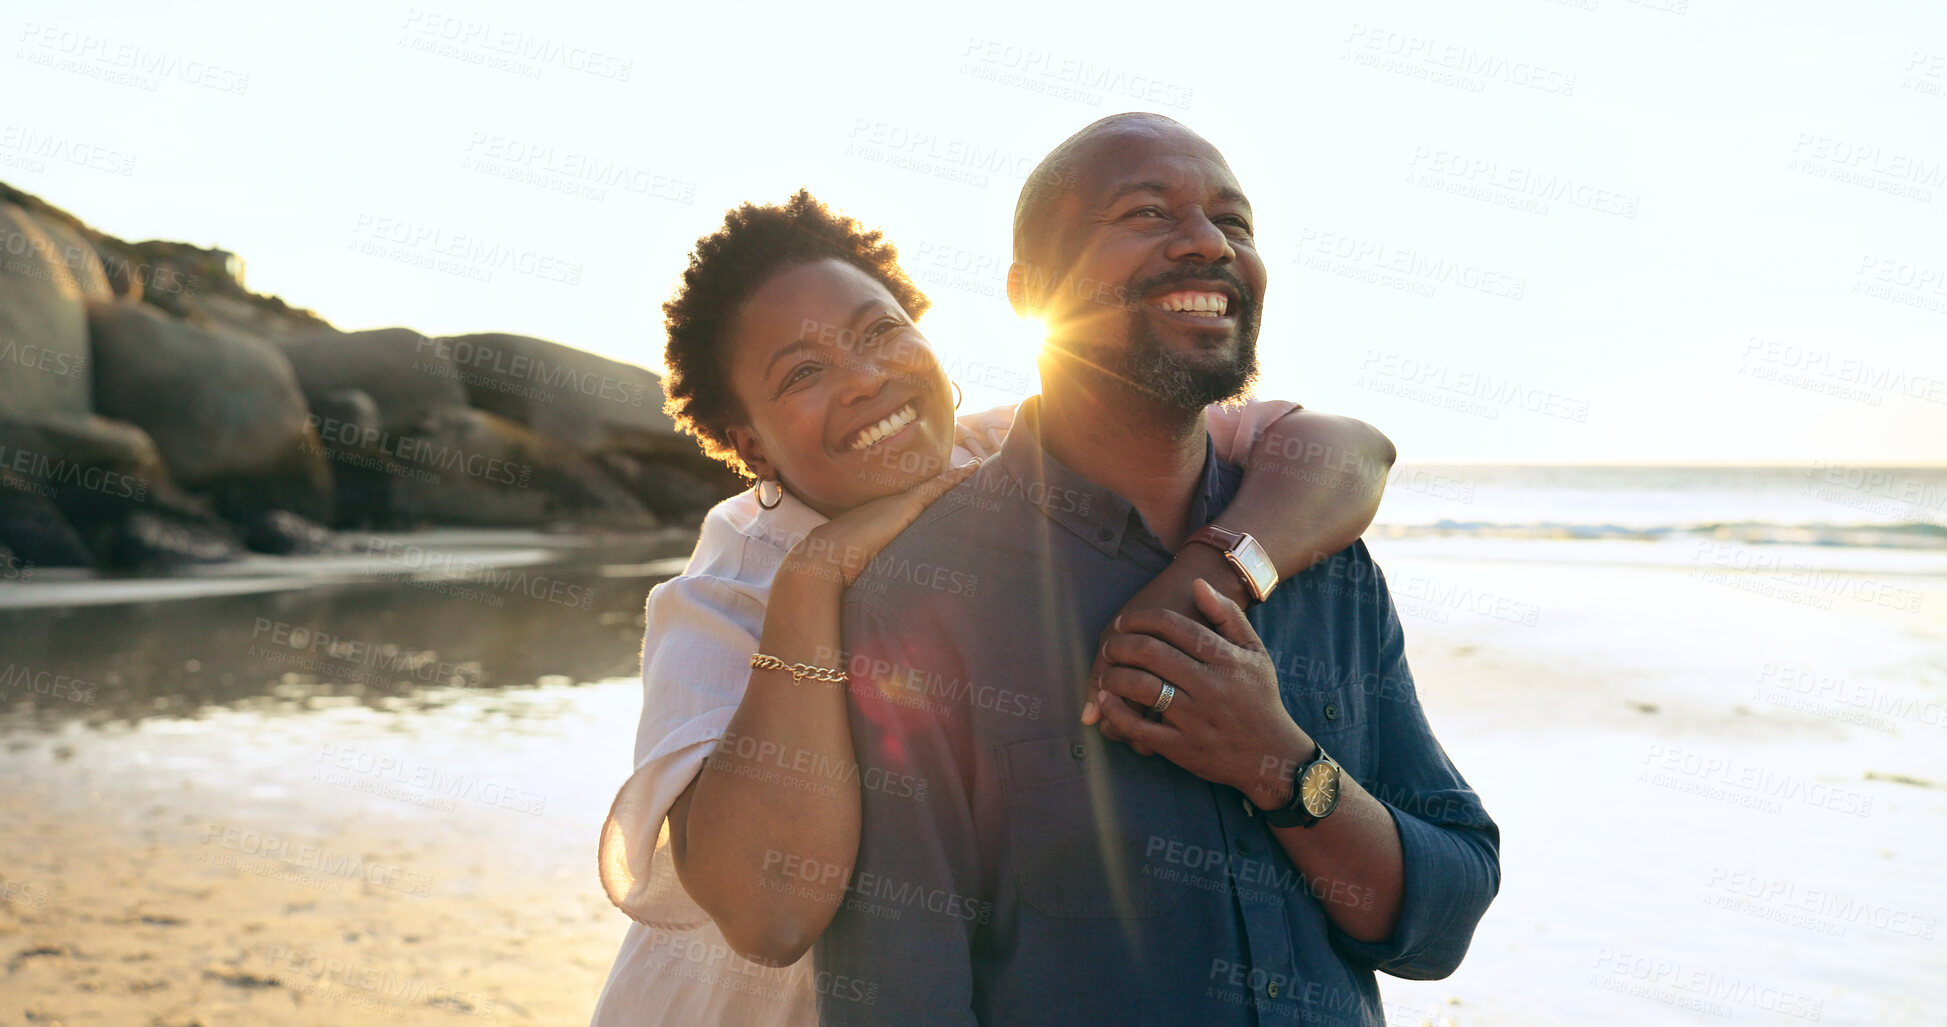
column 1246, row 557
column 1314, row 794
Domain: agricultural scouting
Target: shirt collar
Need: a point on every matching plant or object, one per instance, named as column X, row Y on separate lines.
column 1096, row 515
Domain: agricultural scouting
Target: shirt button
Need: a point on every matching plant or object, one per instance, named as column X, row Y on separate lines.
column 1105, row 534
column 1271, row 989
column 1331, row 711
column 1077, row 751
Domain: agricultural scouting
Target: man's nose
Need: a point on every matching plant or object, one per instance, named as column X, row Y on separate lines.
column 1198, row 238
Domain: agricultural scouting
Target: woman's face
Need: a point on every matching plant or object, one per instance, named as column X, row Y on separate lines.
column 845, row 400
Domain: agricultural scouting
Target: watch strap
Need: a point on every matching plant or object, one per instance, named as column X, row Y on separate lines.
column 1226, row 542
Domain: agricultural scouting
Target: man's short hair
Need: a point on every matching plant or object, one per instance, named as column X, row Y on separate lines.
column 1052, row 176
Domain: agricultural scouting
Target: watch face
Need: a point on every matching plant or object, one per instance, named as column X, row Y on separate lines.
column 1320, row 789
column 1257, row 564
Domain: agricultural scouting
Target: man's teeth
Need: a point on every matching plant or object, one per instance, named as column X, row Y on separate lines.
column 900, row 418
column 1206, row 304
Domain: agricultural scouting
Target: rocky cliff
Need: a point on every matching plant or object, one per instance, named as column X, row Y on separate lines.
column 154, row 413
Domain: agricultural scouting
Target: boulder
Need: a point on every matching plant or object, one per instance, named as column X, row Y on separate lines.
column 155, row 543
column 44, row 365
column 398, row 368
column 590, row 402
column 32, row 529
column 76, row 255
column 669, row 490
column 348, row 425
column 100, row 475
column 284, row 533
column 224, row 410
column 459, row 465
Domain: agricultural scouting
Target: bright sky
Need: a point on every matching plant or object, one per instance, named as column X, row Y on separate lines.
column 1660, row 231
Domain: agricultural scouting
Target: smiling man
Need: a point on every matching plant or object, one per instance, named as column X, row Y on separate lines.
column 1247, row 815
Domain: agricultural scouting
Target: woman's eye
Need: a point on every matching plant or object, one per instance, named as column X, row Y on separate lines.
column 883, row 327
column 799, row 373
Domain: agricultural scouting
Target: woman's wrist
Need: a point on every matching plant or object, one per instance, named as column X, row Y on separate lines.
column 1204, row 562
column 805, row 574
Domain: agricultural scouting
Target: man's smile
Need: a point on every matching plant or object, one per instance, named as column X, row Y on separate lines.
column 1200, row 304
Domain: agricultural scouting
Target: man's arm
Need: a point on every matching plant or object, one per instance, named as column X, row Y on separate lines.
column 1423, row 849
column 899, row 951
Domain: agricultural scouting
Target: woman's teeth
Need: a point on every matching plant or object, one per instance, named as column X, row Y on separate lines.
column 899, row 418
column 1205, row 304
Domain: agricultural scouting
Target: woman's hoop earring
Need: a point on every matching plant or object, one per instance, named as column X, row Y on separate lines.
column 759, row 489
column 957, row 395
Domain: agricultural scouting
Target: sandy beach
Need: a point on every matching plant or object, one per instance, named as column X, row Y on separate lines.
column 1660, row 744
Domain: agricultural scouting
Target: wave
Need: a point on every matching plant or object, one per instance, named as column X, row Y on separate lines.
column 1874, row 536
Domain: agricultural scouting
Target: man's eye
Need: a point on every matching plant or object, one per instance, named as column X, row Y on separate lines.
column 1146, row 212
column 1232, row 219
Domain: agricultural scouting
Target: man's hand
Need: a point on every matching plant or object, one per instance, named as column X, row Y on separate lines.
column 1227, row 716
column 1172, row 590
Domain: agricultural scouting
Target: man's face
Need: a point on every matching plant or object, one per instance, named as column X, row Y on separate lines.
column 1148, row 275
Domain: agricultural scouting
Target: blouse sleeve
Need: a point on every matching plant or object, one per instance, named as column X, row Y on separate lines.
column 981, row 434
column 695, row 666
column 1234, row 430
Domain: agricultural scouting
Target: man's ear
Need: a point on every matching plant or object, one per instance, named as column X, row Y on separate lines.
column 1017, row 288
column 750, row 449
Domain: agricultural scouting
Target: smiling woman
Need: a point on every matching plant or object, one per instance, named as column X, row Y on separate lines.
column 853, row 402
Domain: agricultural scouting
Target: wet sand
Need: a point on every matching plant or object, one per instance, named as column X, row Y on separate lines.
column 1717, row 804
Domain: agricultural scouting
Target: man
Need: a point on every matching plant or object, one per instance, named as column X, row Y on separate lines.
column 1167, row 868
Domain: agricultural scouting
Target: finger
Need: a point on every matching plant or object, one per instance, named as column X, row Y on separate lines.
column 942, row 483
column 1195, row 640
column 901, row 509
column 1154, row 735
column 1147, row 652
column 1227, row 617
column 1093, row 682
column 1141, row 688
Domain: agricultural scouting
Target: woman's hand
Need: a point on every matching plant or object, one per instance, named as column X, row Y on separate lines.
column 841, row 548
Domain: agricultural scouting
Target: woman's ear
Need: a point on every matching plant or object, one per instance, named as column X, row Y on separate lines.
column 750, row 449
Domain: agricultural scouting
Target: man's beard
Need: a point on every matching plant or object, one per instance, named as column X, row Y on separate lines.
column 1147, row 367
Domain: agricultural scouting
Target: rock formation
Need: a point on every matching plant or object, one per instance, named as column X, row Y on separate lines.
column 156, row 413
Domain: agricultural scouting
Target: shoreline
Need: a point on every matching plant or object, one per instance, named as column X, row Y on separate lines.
column 430, row 555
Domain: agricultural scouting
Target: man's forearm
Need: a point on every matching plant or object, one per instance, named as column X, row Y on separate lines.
column 1311, row 487
column 1351, row 860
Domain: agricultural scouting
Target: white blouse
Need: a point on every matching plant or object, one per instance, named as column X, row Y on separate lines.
column 703, row 626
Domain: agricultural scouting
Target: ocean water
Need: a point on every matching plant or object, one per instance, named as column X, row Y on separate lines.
column 1816, row 504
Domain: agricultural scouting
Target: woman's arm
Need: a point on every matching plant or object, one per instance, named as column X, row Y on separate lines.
column 765, row 838
column 780, row 791
column 1311, row 487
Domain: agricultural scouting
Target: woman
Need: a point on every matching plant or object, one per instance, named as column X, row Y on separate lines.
column 793, row 357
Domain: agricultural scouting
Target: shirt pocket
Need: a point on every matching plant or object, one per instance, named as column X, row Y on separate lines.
column 1080, row 817
column 1339, row 719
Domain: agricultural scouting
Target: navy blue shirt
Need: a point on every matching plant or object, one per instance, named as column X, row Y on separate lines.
column 1015, row 867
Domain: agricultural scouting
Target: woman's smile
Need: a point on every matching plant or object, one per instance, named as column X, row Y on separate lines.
column 890, row 427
